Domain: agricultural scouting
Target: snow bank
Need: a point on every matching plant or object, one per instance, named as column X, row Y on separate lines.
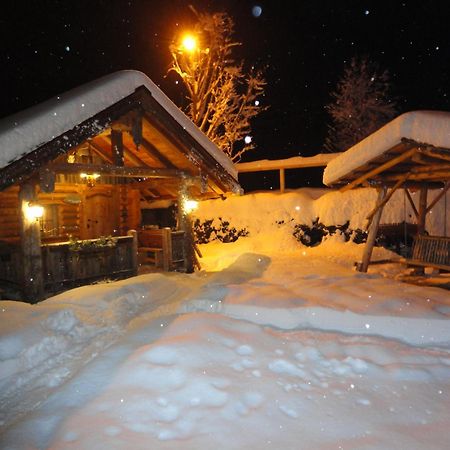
column 271, row 215
column 214, row 382
column 430, row 127
column 273, row 345
column 41, row 346
column 27, row 130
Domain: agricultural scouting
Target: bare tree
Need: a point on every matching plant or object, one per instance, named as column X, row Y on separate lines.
column 222, row 96
column 361, row 104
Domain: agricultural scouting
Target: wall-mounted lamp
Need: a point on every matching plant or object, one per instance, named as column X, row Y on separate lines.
column 189, row 205
column 34, row 211
column 90, row 178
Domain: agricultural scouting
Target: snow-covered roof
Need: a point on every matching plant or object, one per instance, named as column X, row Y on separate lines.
column 25, row 131
column 426, row 127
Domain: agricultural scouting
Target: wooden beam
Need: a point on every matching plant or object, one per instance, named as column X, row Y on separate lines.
column 373, row 230
column 47, row 179
column 387, row 197
column 377, row 170
column 101, row 153
column 156, row 154
column 115, row 171
column 184, row 224
column 439, row 196
column 434, row 152
column 117, row 147
column 421, row 220
column 411, row 202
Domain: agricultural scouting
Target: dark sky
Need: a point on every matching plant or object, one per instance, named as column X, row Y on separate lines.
column 49, row 47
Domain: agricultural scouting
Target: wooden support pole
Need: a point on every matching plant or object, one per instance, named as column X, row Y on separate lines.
column 421, row 220
column 373, row 229
column 387, row 197
column 411, row 202
column 134, row 251
column 117, row 147
column 167, row 248
column 185, row 225
column 30, row 234
column 282, row 180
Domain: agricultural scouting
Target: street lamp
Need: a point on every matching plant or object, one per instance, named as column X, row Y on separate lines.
column 189, row 43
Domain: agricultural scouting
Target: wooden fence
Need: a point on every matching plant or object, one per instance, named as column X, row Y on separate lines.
column 65, row 267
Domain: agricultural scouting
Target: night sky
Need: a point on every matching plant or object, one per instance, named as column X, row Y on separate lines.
column 49, row 47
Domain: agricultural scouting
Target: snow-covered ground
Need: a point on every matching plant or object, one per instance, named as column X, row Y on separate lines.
column 271, row 345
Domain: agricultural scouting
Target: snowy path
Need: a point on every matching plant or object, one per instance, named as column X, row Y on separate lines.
column 246, row 363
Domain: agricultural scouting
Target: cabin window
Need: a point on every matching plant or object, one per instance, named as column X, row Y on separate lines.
column 50, row 221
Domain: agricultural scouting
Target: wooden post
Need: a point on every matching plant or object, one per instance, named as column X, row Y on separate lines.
column 282, row 180
column 167, row 248
column 185, row 225
column 30, row 234
column 421, row 220
column 134, row 251
column 373, row 229
column 117, row 147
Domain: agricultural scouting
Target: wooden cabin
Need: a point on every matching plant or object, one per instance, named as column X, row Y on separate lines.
column 79, row 173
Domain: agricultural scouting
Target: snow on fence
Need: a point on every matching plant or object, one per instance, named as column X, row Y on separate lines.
column 296, row 162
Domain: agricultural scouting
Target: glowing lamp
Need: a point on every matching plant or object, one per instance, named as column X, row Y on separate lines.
column 190, row 205
column 34, row 211
column 189, row 43
column 90, row 178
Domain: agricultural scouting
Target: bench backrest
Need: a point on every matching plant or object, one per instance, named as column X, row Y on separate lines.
column 432, row 249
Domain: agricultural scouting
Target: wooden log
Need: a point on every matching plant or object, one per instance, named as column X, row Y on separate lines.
column 134, row 251
column 373, row 230
column 33, row 278
column 422, row 209
column 117, row 147
column 167, row 248
column 185, row 225
column 380, row 168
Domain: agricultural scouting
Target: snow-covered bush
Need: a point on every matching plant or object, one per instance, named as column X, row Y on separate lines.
column 211, row 229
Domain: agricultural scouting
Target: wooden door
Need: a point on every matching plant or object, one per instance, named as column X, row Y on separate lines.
column 99, row 216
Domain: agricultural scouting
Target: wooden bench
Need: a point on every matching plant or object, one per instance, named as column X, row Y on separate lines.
column 430, row 251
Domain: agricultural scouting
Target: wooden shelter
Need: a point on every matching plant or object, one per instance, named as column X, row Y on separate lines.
column 75, row 173
column 412, row 153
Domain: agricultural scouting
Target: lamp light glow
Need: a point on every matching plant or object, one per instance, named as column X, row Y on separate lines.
column 34, row 211
column 190, row 205
column 189, row 43
column 90, row 178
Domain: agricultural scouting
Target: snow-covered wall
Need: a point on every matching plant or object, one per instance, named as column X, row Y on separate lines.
column 262, row 213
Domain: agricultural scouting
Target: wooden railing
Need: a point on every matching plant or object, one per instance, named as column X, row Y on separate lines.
column 10, row 264
column 162, row 248
column 64, row 267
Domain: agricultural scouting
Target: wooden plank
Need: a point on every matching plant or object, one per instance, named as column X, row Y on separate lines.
column 379, row 169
